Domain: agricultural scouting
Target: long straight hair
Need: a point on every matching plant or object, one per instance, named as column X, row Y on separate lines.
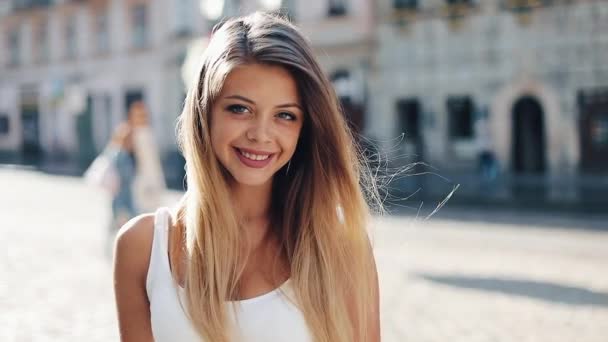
column 319, row 209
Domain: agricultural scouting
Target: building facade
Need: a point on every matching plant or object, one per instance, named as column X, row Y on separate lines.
column 525, row 80
column 70, row 68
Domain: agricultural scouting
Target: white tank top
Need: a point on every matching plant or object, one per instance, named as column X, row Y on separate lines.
column 266, row 318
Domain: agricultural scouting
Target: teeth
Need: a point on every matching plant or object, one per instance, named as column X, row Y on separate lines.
column 254, row 156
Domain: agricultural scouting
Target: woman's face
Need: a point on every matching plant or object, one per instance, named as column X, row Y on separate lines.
column 256, row 122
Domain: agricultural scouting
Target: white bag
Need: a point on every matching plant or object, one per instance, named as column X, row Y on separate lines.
column 103, row 173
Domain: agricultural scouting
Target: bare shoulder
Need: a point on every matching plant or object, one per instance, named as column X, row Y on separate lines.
column 137, row 229
column 134, row 243
column 131, row 259
column 138, row 232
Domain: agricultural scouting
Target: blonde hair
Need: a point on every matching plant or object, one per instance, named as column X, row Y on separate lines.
column 319, row 207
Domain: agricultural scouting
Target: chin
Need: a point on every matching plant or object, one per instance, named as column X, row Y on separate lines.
column 250, row 180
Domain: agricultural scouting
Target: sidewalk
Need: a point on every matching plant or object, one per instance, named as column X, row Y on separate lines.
column 462, row 276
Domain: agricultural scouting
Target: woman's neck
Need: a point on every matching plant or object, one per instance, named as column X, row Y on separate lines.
column 252, row 202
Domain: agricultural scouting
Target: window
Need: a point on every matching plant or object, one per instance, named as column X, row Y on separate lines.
column 14, row 46
column 593, row 129
column 459, row 2
column 460, row 117
column 337, row 8
column 139, row 33
column 408, row 111
column 405, row 4
column 70, row 37
column 4, row 124
column 42, row 42
column 102, row 34
column 27, row 4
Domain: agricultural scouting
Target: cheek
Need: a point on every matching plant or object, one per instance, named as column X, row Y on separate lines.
column 222, row 132
column 214, row 134
column 291, row 139
column 219, row 140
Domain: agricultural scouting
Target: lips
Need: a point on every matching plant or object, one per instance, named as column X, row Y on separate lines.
column 252, row 158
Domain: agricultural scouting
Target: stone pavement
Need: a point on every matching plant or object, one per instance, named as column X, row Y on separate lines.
column 460, row 276
column 447, row 280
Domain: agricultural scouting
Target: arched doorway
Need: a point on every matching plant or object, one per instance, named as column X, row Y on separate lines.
column 528, row 154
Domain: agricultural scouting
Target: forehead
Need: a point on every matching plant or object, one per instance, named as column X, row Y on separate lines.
column 261, row 82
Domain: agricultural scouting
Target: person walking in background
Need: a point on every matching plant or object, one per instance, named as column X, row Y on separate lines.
column 134, row 161
column 270, row 241
column 486, row 161
column 121, row 147
column 148, row 186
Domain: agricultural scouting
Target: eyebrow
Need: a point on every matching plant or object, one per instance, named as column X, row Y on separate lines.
column 243, row 98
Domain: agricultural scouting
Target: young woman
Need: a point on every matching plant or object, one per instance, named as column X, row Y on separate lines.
column 269, row 243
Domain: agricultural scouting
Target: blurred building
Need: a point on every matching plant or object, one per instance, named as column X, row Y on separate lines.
column 69, row 69
column 526, row 80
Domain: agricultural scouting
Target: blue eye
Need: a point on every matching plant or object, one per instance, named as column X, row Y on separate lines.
column 287, row 116
column 237, row 109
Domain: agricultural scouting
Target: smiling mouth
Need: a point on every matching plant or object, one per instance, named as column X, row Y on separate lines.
column 252, row 156
column 255, row 160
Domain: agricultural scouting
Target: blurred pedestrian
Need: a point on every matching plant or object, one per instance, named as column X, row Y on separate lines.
column 149, row 184
column 486, row 161
column 132, row 147
column 269, row 242
column 123, row 206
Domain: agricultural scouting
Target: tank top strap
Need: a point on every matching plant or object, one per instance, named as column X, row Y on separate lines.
column 159, row 254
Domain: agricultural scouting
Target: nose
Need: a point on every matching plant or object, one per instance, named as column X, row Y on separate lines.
column 260, row 131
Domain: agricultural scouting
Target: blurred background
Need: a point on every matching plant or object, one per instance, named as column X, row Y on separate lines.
column 505, row 101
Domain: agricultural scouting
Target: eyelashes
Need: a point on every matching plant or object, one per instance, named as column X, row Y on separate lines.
column 287, row 116
column 237, row 109
column 240, row 109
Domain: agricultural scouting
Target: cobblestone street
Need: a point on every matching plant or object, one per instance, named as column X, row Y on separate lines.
column 460, row 276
